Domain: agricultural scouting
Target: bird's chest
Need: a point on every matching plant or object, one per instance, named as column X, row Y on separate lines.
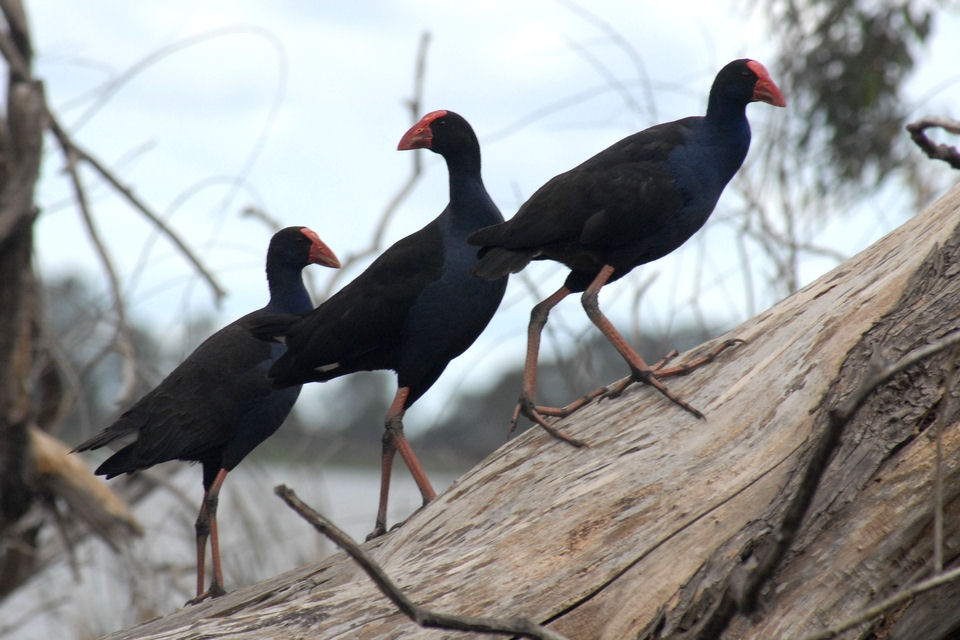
column 454, row 308
column 702, row 172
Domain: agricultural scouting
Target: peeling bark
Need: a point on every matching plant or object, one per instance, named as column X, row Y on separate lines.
column 666, row 526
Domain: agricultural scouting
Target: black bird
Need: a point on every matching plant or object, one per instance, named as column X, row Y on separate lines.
column 632, row 203
column 218, row 404
column 413, row 310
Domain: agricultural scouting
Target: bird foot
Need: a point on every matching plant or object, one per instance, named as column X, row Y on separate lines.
column 215, row 591
column 647, row 376
column 684, row 368
column 659, row 370
column 381, row 528
column 535, row 414
column 378, row 530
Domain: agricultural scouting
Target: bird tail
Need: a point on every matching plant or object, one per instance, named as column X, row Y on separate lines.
column 272, row 328
column 496, row 262
column 123, row 460
column 106, row 436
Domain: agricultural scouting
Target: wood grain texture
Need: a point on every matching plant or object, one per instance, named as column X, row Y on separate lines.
column 644, row 532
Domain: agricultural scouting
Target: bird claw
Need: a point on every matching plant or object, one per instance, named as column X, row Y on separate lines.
column 378, row 531
column 532, row 412
column 649, row 377
column 522, row 407
column 673, row 353
column 215, row 591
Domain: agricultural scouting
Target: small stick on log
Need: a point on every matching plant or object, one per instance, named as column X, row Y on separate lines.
column 423, row 617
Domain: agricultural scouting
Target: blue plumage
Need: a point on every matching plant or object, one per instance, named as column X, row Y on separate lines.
column 218, row 404
column 414, row 309
column 632, row 203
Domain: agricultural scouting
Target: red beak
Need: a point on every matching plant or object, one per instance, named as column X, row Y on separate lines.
column 320, row 253
column 766, row 89
column 419, row 136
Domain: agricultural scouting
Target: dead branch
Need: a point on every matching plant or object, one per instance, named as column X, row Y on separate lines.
column 88, row 497
column 885, row 605
column 67, row 143
column 665, row 525
column 421, row 616
column 121, row 328
column 935, row 151
column 745, row 584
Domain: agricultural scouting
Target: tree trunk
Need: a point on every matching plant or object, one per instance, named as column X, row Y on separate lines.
column 774, row 517
column 21, row 136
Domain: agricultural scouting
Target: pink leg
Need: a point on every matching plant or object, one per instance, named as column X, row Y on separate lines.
column 639, row 369
column 205, row 526
column 394, row 441
column 525, row 405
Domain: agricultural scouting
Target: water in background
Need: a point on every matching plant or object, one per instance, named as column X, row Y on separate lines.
column 260, row 537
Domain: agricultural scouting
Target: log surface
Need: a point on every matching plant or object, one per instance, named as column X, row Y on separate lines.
column 647, row 531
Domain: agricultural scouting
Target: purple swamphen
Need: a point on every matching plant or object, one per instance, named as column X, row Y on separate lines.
column 632, row 203
column 218, row 405
column 413, row 310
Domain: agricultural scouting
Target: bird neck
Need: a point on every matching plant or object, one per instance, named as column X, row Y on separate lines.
column 465, row 179
column 287, row 293
column 463, row 167
column 722, row 112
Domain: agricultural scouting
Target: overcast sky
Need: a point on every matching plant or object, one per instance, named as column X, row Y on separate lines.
column 303, row 103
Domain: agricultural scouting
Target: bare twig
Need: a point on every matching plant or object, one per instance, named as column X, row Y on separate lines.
column 122, row 329
column 631, row 52
column 898, row 598
column 935, row 151
column 946, row 409
column 745, row 585
column 67, row 143
column 414, row 106
column 515, row 626
column 882, row 374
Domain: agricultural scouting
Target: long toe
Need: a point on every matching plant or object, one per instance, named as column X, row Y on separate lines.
column 215, row 591
column 684, row 368
column 378, row 531
column 647, row 376
column 537, row 418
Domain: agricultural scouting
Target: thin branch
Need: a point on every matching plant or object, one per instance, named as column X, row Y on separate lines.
column 935, row 151
column 884, row 605
column 414, row 106
column 67, row 143
column 102, row 94
column 881, row 375
column 609, row 76
column 627, row 47
column 946, row 409
column 515, row 626
column 122, row 330
column 744, row 585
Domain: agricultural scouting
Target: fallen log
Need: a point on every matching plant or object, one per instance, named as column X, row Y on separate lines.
column 805, row 496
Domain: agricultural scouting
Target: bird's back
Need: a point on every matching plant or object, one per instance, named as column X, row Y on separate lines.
column 201, row 406
column 360, row 327
column 629, row 204
column 411, row 311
